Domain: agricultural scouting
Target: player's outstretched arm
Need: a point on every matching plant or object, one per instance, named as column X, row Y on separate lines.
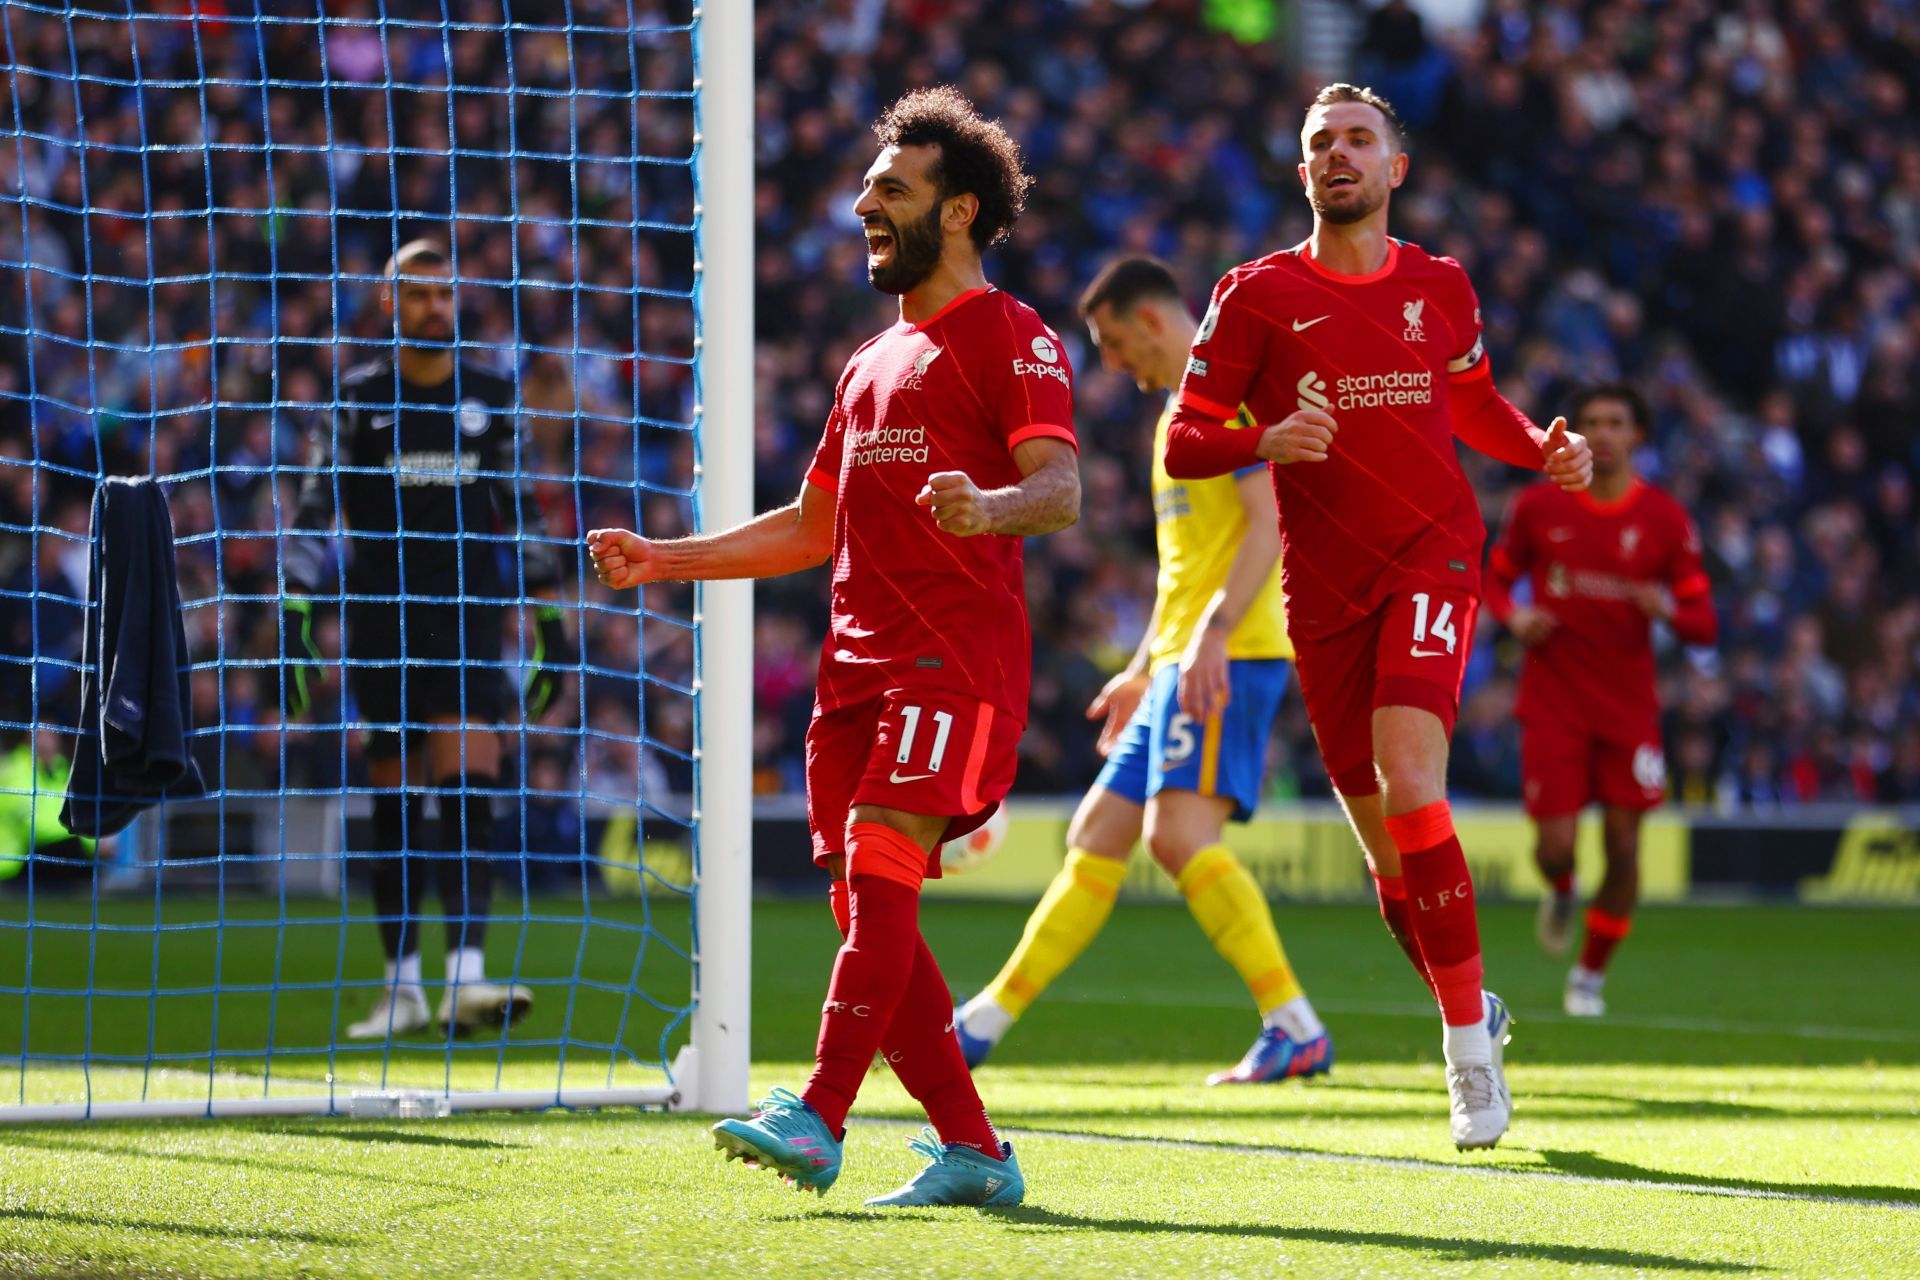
column 1204, row 682
column 786, row 540
column 1046, row 499
column 1488, row 422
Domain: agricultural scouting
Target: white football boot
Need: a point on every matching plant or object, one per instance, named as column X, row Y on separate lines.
column 1478, row 1100
column 471, row 1006
column 1553, row 923
column 1583, row 999
column 398, row 1012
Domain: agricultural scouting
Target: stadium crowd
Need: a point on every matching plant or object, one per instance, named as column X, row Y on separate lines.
column 1721, row 204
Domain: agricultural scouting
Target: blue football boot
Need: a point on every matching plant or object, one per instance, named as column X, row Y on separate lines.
column 958, row 1175
column 787, row 1136
column 1277, row 1056
column 972, row 1048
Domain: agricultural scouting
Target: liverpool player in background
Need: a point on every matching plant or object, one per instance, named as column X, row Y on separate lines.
column 1187, row 722
column 1603, row 565
column 412, row 459
column 950, row 440
column 1363, row 355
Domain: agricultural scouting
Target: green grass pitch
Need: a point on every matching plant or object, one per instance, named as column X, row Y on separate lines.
column 1753, row 1108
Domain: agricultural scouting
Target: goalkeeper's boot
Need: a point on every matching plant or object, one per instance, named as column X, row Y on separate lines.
column 978, row 1025
column 1583, row 998
column 787, row 1136
column 472, row 1006
column 399, row 1011
column 958, row 1175
column 1278, row 1056
column 1553, row 922
column 1478, row 1099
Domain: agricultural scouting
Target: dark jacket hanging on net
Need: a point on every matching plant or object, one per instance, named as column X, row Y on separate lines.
column 132, row 749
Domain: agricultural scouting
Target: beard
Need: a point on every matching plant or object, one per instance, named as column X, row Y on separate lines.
column 916, row 252
column 1347, row 213
column 429, row 330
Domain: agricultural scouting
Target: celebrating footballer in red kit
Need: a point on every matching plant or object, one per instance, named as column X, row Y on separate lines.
column 1603, row 566
column 950, row 440
column 1361, row 357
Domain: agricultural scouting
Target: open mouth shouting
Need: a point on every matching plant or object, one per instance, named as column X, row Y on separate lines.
column 880, row 244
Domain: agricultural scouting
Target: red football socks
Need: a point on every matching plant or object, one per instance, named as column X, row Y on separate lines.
column 1562, row 883
column 1604, row 933
column 1392, row 892
column 921, row 1049
column 1440, row 895
column 841, row 904
column 870, row 976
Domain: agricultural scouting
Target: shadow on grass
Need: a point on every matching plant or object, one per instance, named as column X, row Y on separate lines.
column 1538, row 1103
column 69, row 1143
column 395, row 1134
column 1441, row 1248
column 1588, row 1164
column 165, row 1227
column 1568, row 1164
column 1686, row 1108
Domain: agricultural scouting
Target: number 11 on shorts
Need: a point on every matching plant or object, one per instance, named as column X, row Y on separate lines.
column 1442, row 628
column 943, row 728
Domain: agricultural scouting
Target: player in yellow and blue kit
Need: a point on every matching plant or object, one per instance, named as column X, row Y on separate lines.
column 1186, row 724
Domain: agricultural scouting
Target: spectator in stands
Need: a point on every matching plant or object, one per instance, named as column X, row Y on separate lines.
column 1719, row 203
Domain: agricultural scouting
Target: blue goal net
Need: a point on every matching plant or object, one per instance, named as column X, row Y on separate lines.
column 392, row 301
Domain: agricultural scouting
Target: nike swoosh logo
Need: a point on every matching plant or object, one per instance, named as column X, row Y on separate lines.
column 1418, row 652
column 384, row 420
column 895, row 777
column 1301, row 326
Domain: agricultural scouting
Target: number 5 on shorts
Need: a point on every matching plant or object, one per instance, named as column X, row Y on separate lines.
column 1442, row 628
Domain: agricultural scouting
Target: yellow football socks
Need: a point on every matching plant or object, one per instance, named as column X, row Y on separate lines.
column 1075, row 907
column 1234, row 915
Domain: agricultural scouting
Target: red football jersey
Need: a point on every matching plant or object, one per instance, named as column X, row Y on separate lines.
column 1390, row 507
column 1595, row 670
column 913, row 606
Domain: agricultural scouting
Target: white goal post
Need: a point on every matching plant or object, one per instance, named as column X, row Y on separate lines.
column 723, row 826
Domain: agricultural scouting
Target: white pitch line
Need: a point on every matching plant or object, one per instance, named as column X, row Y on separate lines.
column 1413, row 1164
column 1384, row 1009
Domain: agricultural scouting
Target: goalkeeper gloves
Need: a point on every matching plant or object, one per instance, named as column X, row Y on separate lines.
column 553, row 652
column 304, row 662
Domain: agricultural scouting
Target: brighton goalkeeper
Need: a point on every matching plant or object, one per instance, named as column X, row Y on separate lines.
column 1186, row 724
column 413, row 458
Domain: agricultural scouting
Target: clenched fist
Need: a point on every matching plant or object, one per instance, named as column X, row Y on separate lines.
column 957, row 504
column 622, row 558
column 1302, row 436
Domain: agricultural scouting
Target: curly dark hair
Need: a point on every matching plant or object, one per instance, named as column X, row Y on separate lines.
column 977, row 156
column 1638, row 410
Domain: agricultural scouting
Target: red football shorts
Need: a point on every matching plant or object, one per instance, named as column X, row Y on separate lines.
column 929, row 751
column 1566, row 768
column 1410, row 652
